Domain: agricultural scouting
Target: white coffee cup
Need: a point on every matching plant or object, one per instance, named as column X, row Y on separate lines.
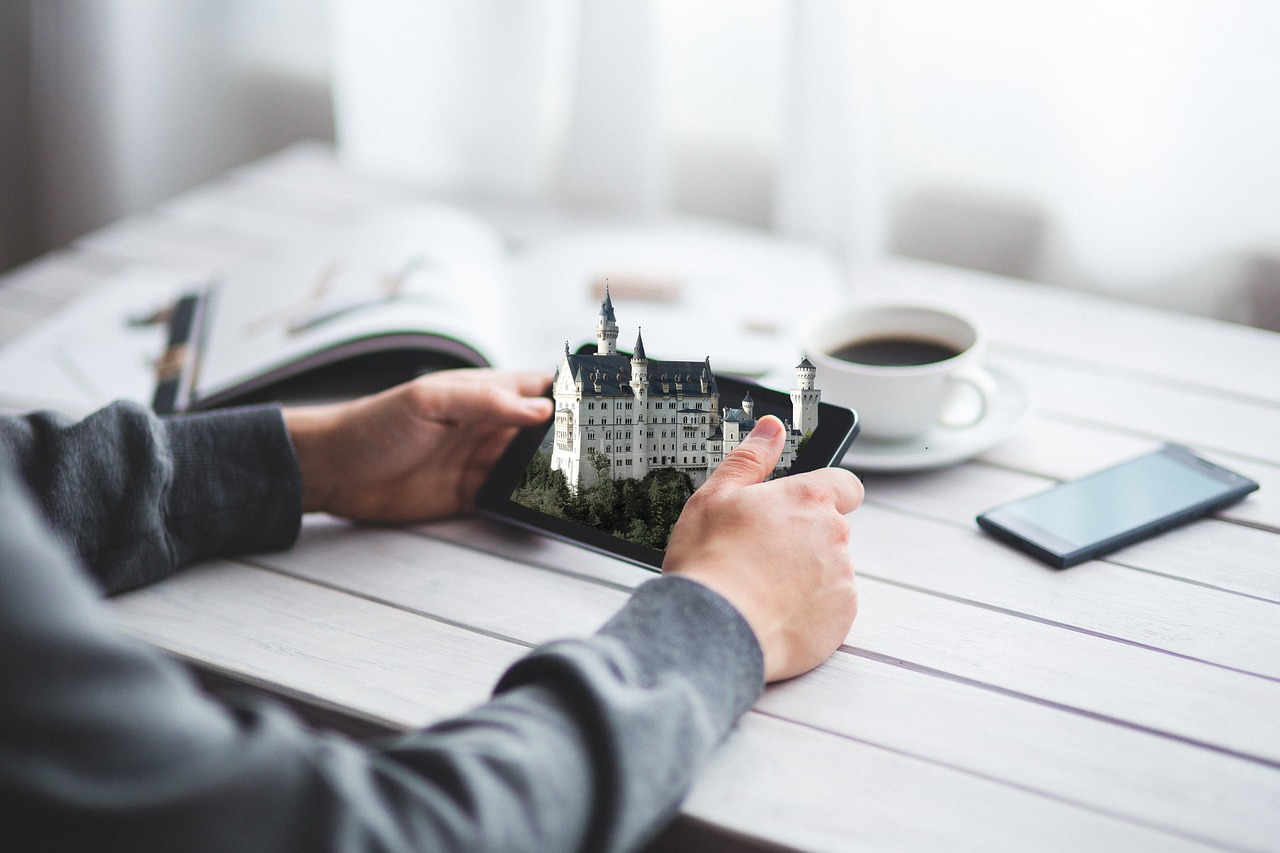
column 906, row 369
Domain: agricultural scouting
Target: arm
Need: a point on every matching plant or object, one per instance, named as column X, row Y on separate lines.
column 137, row 497
column 589, row 744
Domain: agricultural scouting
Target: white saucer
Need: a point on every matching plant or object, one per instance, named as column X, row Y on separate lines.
column 946, row 445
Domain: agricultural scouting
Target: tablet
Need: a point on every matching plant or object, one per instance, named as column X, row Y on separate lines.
column 630, row 441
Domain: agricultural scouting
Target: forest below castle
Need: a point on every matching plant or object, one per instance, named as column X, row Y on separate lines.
column 641, row 511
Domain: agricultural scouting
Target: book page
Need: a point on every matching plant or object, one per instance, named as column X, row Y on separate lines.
column 421, row 269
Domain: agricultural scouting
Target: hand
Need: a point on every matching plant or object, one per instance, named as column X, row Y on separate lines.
column 778, row 550
column 418, row 451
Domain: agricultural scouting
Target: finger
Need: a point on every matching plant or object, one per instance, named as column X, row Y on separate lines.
column 479, row 402
column 753, row 460
column 841, row 486
column 530, row 383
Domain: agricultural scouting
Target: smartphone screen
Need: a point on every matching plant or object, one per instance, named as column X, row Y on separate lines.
column 1096, row 514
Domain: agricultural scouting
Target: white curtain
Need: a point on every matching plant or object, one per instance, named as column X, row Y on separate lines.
column 132, row 101
column 1121, row 146
column 757, row 111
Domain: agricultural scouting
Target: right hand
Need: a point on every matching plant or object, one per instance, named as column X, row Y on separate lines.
column 778, row 551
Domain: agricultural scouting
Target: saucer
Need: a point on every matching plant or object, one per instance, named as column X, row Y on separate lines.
column 943, row 445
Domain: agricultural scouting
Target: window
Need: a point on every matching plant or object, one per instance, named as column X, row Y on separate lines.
column 591, row 405
column 608, row 435
column 591, row 436
column 628, row 451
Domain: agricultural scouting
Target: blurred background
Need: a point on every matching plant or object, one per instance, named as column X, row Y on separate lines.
column 1126, row 147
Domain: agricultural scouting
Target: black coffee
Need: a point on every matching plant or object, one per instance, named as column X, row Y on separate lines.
column 895, row 351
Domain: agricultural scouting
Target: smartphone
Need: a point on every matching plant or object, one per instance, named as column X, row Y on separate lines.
column 1117, row 506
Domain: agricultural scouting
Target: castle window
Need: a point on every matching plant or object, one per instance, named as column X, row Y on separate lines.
column 608, row 435
column 704, row 459
column 591, row 405
column 591, row 421
column 608, row 449
column 686, row 447
column 591, row 436
column 628, row 450
column 655, row 460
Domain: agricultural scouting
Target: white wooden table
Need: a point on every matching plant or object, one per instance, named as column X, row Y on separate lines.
column 981, row 702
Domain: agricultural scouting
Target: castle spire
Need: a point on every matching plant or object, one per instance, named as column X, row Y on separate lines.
column 638, row 354
column 606, row 327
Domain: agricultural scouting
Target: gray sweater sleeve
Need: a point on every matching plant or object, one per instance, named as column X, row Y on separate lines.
column 105, row 744
column 136, row 496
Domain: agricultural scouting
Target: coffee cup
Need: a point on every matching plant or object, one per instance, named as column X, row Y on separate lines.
column 906, row 369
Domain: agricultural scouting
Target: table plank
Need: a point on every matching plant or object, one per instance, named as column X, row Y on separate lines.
column 484, row 592
column 808, row 790
column 1184, row 698
column 381, row 663
column 1132, row 404
column 1134, row 607
column 1161, row 782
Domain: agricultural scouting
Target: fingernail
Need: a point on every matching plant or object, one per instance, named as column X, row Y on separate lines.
column 537, row 406
column 767, row 428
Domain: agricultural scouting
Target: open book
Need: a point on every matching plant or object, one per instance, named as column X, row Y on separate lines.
column 415, row 287
column 399, row 293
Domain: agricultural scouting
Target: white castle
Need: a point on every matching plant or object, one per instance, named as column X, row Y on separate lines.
column 641, row 414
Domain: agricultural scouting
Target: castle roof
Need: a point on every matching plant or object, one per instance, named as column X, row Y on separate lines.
column 613, row 372
column 606, row 307
column 806, row 364
column 639, row 350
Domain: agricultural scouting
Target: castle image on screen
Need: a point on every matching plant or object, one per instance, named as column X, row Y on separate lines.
column 622, row 417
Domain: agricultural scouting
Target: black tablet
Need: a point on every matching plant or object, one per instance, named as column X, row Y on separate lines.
column 632, row 438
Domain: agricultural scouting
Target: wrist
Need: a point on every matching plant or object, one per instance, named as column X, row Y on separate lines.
column 309, row 430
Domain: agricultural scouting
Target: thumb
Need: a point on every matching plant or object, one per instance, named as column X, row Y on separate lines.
column 753, row 460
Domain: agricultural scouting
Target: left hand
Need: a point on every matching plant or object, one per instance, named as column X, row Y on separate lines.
column 415, row 452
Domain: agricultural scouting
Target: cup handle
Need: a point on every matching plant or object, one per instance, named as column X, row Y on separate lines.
column 982, row 383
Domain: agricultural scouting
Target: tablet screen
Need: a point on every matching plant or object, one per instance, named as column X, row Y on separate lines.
column 632, row 439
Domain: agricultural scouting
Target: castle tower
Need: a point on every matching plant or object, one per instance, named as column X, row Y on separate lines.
column 639, row 372
column 804, row 399
column 640, row 388
column 749, row 406
column 606, row 327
